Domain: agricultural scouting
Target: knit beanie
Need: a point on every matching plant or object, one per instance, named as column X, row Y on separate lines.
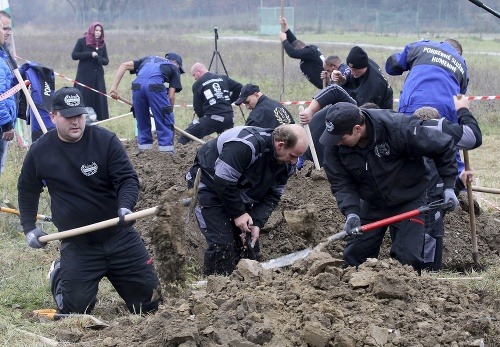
column 357, row 58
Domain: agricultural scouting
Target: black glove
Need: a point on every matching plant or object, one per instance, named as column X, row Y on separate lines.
column 122, row 212
column 449, row 196
column 32, row 238
column 351, row 223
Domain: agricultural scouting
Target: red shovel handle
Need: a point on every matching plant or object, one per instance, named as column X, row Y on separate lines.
column 399, row 217
column 387, row 221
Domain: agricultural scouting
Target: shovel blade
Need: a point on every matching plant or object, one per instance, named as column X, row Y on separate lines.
column 287, row 260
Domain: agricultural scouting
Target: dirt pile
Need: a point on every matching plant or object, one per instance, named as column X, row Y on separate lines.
column 313, row 303
column 317, row 304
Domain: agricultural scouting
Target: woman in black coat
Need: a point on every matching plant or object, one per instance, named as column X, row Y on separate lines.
column 90, row 51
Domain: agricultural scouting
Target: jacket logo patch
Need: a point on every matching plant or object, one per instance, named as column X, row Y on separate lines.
column 382, row 150
column 89, row 169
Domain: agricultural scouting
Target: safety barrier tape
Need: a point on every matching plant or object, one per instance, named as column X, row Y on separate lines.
column 286, row 103
column 12, row 91
column 490, row 97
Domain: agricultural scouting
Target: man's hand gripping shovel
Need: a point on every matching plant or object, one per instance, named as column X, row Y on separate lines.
column 291, row 258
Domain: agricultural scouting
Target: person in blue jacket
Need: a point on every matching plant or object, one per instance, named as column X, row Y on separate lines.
column 8, row 108
column 149, row 92
column 437, row 72
column 5, row 32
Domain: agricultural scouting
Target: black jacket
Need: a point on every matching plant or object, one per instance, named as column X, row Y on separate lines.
column 325, row 97
column 91, row 73
column 391, row 169
column 311, row 63
column 371, row 87
column 87, row 181
column 240, row 172
column 269, row 113
column 466, row 135
column 213, row 94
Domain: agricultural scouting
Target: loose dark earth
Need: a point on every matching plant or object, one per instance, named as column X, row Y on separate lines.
column 312, row 303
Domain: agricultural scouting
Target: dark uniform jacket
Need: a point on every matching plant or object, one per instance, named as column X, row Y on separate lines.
column 391, row 169
column 371, row 87
column 90, row 72
column 466, row 135
column 311, row 63
column 240, row 172
column 325, row 97
column 269, row 113
column 213, row 94
column 87, row 181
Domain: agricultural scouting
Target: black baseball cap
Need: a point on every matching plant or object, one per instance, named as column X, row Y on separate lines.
column 339, row 120
column 69, row 102
column 246, row 91
column 177, row 58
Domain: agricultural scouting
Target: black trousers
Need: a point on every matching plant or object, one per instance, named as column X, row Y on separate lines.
column 224, row 245
column 207, row 125
column 123, row 259
column 407, row 236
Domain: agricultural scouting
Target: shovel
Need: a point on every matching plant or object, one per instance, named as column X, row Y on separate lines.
column 192, row 137
column 291, row 258
column 97, row 226
column 52, row 314
column 15, row 211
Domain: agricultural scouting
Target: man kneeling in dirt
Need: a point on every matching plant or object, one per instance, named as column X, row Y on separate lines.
column 374, row 162
column 90, row 179
column 243, row 175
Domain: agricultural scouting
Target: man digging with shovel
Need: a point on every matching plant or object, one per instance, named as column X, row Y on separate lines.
column 374, row 161
column 90, row 179
column 243, row 175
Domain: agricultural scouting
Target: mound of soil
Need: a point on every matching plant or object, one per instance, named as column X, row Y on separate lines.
column 312, row 303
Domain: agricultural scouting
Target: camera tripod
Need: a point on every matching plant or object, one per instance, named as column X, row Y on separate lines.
column 216, row 55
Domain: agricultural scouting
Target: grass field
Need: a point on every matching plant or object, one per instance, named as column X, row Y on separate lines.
column 23, row 285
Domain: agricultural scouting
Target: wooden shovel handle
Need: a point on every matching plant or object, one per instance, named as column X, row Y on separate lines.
column 192, row 137
column 472, row 216
column 98, row 226
column 311, row 143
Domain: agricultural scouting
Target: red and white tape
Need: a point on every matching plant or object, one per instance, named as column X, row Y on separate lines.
column 475, row 98
column 491, row 97
column 13, row 90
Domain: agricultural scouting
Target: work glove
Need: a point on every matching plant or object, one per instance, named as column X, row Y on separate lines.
column 122, row 212
column 32, row 238
column 449, row 196
column 351, row 222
